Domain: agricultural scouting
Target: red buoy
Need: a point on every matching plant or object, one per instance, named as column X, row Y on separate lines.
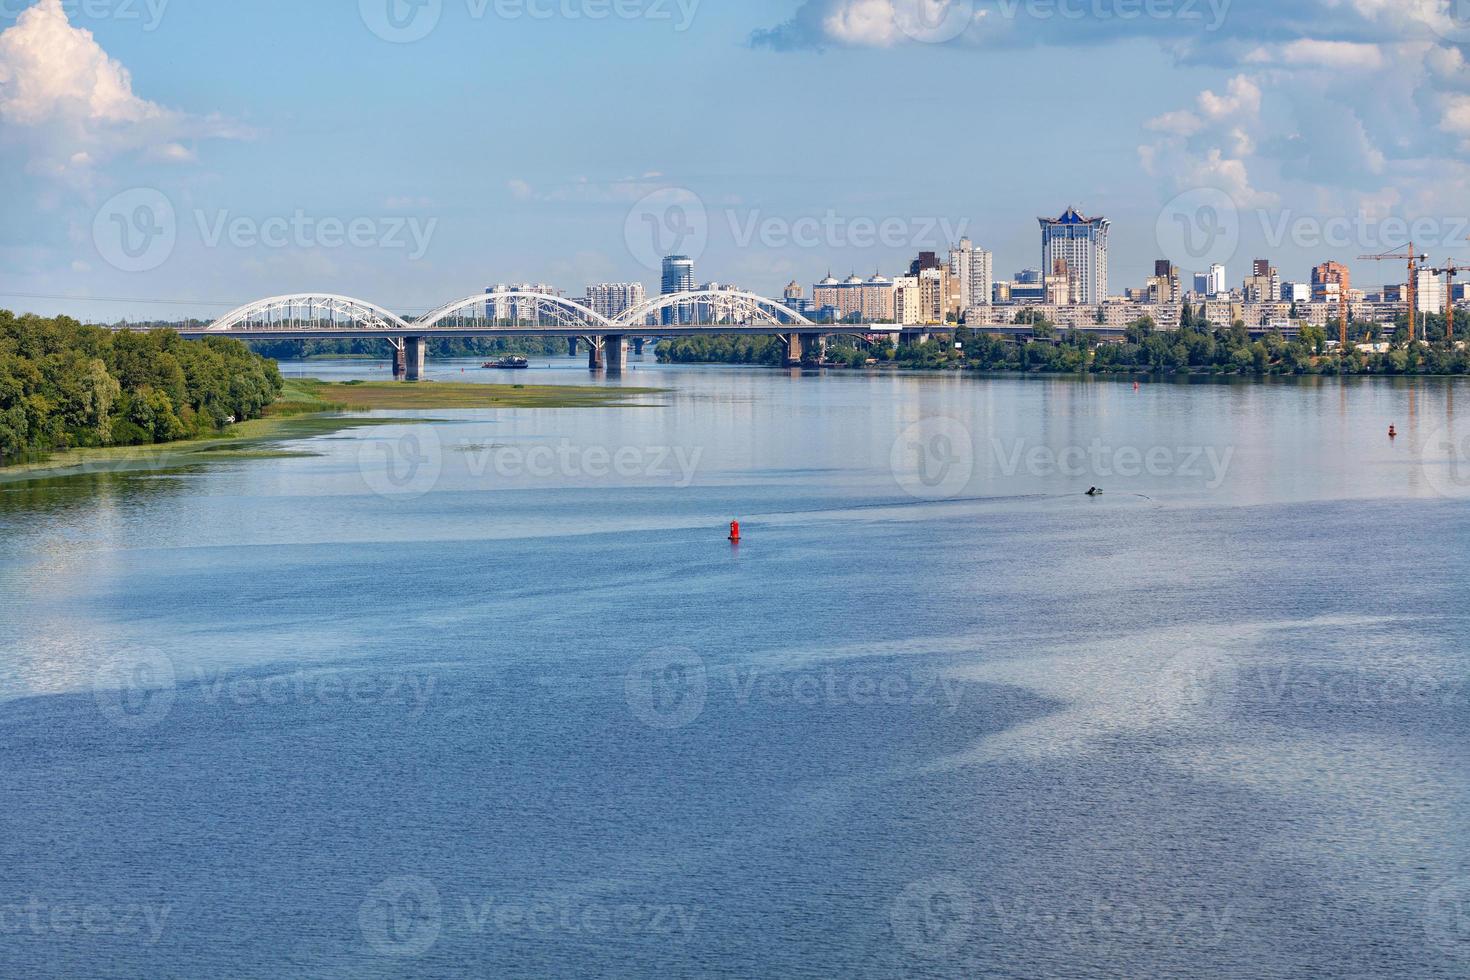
column 735, row 531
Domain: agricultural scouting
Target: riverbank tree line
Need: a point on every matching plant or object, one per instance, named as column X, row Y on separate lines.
column 439, row 347
column 65, row 385
column 1195, row 348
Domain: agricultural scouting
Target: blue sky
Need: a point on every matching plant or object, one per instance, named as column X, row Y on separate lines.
column 783, row 137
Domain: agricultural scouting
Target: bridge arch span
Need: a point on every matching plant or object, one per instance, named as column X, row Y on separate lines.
column 308, row 311
column 728, row 303
column 566, row 312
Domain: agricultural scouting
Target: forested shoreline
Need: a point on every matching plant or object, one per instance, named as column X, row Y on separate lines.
column 65, row 385
column 1195, row 348
column 369, row 347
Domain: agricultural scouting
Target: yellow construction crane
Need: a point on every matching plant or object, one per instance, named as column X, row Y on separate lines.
column 1414, row 259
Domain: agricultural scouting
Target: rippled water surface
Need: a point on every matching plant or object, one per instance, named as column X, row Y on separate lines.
column 492, row 695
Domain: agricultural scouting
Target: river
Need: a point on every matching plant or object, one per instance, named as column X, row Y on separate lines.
column 493, row 695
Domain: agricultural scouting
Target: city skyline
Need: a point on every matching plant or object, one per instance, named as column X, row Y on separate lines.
column 219, row 155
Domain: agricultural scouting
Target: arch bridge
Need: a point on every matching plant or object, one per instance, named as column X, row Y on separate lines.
column 518, row 313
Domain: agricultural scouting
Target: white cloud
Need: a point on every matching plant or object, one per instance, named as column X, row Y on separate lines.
column 1310, row 53
column 1240, row 103
column 70, row 106
column 863, row 22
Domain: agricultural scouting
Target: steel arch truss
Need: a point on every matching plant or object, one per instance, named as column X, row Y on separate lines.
column 714, row 307
column 309, row 313
column 513, row 309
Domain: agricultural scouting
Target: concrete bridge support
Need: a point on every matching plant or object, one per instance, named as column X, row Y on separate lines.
column 595, row 354
column 793, row 349
column 638, row 346
column 400, row 362
column 615, row 353
column 800, row 346
column 571, row 347
column 415, row 352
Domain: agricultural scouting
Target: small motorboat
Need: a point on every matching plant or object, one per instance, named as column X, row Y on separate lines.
column 513, row 362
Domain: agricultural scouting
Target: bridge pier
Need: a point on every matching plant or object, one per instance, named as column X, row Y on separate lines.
column 571, row 347
column 793, row 349
column 400, row 361
column 638, row 346
column 615, row 353
column 594, row 353
column 415, row 352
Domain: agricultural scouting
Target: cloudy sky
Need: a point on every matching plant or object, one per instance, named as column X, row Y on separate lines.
column 207, row 152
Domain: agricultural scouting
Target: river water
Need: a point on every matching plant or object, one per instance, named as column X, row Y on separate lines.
column 492, row 694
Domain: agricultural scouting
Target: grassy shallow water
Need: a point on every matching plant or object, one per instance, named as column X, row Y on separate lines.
column 309, row 407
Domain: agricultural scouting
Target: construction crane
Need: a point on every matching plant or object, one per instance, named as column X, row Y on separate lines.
column 1414, row 259
column 1449, row 272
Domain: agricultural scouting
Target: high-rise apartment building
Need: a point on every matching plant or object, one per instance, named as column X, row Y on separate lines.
column 678, row 277
column 856, row 299
column 1217, row 286
column 1331, row 280
column 1164, row 286
column 1431, row 293
column 1263, row 285
column 1082, row 243
column 612, row 299
column 973, row 272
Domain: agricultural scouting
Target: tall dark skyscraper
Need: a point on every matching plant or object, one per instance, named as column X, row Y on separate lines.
column 678, row 278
